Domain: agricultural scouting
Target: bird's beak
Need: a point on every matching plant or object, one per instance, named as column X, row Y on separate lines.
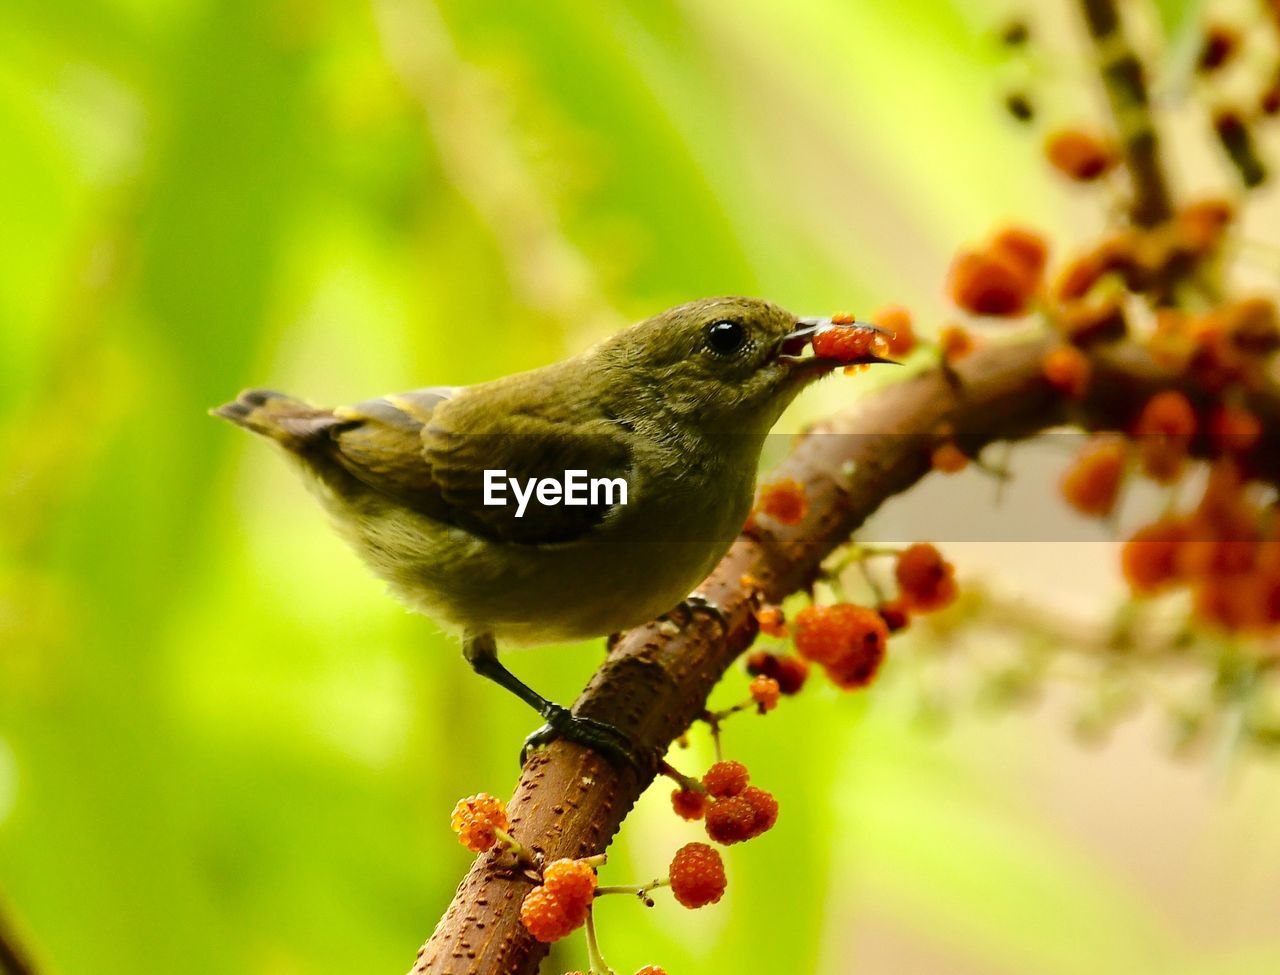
column 794, row 344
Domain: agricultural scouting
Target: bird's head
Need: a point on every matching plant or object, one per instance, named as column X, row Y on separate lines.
column 730, row 364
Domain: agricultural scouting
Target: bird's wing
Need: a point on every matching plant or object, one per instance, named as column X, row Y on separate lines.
column 419, row 450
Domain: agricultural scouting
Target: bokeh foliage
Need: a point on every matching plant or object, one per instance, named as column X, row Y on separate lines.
column 222, row 749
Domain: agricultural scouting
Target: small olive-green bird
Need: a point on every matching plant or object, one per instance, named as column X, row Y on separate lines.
column 567, row 502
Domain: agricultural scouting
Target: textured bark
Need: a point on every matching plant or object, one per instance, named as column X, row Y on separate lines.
column 656, row 679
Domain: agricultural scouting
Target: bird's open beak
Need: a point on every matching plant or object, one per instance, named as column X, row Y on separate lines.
column 795, row 343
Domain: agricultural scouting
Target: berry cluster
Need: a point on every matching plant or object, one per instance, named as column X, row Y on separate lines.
column 560, row 904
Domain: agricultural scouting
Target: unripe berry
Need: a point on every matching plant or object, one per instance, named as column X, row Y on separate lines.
column 697, row 875
column 475, row 820
column 771, row 621
column 1149, row 560
column 1092, row 482
column 765, row 691
column 947, row 458
column 1067, row 369
column 790, row 672
column 897, row 320
column 1079, row 155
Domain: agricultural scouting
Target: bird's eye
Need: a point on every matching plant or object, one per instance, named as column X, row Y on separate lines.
column 725, row 338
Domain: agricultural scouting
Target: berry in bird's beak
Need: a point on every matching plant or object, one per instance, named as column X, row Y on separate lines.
column 839, row 340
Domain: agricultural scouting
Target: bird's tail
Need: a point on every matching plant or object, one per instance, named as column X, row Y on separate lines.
column 290, row 422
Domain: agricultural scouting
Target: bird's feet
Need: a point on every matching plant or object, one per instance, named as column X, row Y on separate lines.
column 696, row 603
column 602, row 738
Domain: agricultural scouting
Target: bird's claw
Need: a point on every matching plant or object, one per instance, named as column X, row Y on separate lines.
column 696, row 602
column 602, row 738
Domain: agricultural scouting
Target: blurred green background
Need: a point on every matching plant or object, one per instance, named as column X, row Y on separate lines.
column 222, row 748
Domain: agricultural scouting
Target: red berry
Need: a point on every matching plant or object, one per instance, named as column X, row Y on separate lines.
column 651, row 970
column 765, row 807
column 826, row 634
column 784, row 501
column 926, row 580
column 1067, row 369
column 1092, row 482
column 549, row 918
column 990, row 282
column 1079, row 155
column 475, row 820
column 689, row 804
column 697, row 875
column 726, row 779
column 790, row 672
column 731, row 820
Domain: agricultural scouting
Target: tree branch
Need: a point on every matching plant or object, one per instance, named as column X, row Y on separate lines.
column 656, row 680
column 1125, row 82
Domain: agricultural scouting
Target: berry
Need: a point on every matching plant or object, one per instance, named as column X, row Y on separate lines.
column 834, row 634
column 475, row 820
column 790, row 672
column 897, row 320
column 690, row 804
column 1234, row 429
column 765, row 807
column 573, row 881
column 1083, row 323
column 1067, row 369
column 1163, row 430
column 926, row 581
column 1092, row 482
column 955, row 343
column 1079, row 155
column 548, row 917
column 651, row 970
column 765, row 691
column 947, row 458
column 843, row 343
column 726, row 779
column 895, row 614
column 1199, row 227
column 1149, row 560
column 771, row 621
column 784, row 501
column 1024, row 247
column 857, row 668
column 731, row 820
column 1220, row 43
column 697, row 875
column 987, row 282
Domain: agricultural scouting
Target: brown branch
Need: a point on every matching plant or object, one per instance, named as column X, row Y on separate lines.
column 1125, row 82
column 13, row 959
column 656, row 680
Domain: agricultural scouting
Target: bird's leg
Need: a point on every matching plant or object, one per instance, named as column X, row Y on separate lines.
column 482, row 653
column 696, row 602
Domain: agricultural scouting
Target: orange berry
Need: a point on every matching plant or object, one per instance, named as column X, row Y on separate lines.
column 726, row 779
column 573, row 881
column 832, row 635
column 1199, row 227
column 790, row 672
column 548, row 917
column 475, row 820
column 765, row 691
column 843, row 318
column 1024, row 247
column 926, row 581
column 697, row 875
column 1163, row 431
column 1149, row 560
column 955, row 343
column 1252, row 325
column 897, row 320
column 730, row 820
column 690, row 804
column 784, row 501
column 1092, row 482
column 844, row 343
column 948, row 458
column 1084, row 323
column 771, row 621
column 1234, row 429
column 990, row 282
column 856, row 668
column 1067, row 369
column 651, row 970
column 1079, row 155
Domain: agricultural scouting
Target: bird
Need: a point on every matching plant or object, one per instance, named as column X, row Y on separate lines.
column 564, row 503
